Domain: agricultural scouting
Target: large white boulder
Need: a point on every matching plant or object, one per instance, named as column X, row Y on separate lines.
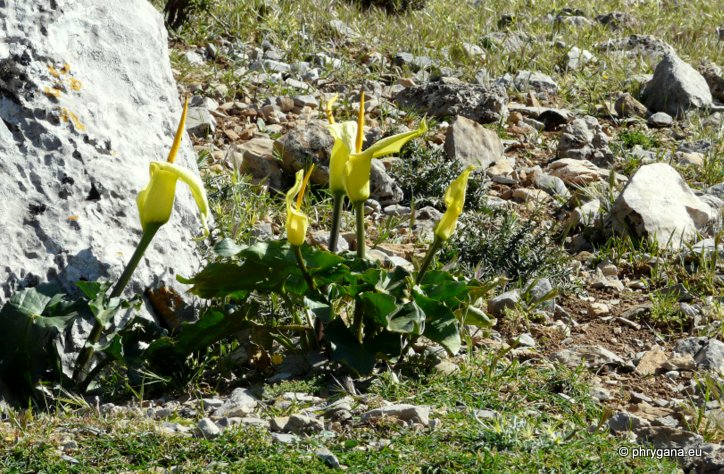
column 657, row 203
column 87, row 100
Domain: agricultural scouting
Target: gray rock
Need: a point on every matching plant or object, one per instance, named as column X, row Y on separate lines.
column 617, row 20
column 525, row 340
column 284, row 438
column 419, row 414
column 383, row 188
column 657, row 203
column 194, row 58
column 690, row 345
column 258, row 160
column 713, row 76
column 208, row 428
column 241, row 403
column 576, row 58
column 343, row 30
column 711, row 356
column 472, row 144
column 649, row 48
column 415, row 63
column 711, row 459
column 593, row 357
column 510, row 42
column 71, row 166
column 551, row 184
column 676, row 88
column 627, row 106
column 302, row 146
column 584, row 139
column 508, row 299
column 269, row 65
column 537, row 290
column 622, row 422
column 537, row 81
column 586, row 215
column 301, row 424
column 200, row 122
column 328, row 457
column 660, row 120
column 445, row 98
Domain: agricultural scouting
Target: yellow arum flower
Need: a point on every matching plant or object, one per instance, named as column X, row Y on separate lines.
column 344, row 134
column 357, row 169
column 297, row 221
column 155, row 201
column 353, row 178
column 328, row 109
column 454, row 201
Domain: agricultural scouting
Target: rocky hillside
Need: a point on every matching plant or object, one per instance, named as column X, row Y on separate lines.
column 594, row 212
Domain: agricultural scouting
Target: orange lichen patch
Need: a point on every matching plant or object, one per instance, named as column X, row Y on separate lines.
column 53, row 72
column 68, row 116
column 73, row 218
column 66, row 69
column 52, row 92
column 75, row 84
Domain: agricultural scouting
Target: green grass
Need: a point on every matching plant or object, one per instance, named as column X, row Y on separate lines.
column 546, row 422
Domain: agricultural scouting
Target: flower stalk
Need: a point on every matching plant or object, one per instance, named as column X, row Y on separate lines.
column 359, row 209
column 338, row 201
column 431, row 251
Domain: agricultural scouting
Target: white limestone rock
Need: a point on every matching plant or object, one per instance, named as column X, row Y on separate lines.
column 87, row 100
column 658, row 203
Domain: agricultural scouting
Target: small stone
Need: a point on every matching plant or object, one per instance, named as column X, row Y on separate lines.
column 600, row 394
column 284, row 438
column 598, row 309
column 537, row 81
column 328, row 457
column 712, row 356
column 404, row 412
column 301, row 424
column 651, row 362
column 525, row 340
column 194, row 58
column 693, row 158
column 445, row 367
column 241, row 403
column 508, row 299
column 591, row 356
column 660, row 120
column 200, row 122
column 208, row 428
column 531, row 195
column 472, row 144
column 627, row 106
column 622, row 422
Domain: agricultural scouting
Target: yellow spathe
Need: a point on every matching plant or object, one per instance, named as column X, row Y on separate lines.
column 155, row 201
column 297, row 221
column 454, row 201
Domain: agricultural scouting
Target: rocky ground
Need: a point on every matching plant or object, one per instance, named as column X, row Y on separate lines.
column 604, row 134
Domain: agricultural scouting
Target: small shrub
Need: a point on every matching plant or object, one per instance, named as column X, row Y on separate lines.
column 499, row 243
